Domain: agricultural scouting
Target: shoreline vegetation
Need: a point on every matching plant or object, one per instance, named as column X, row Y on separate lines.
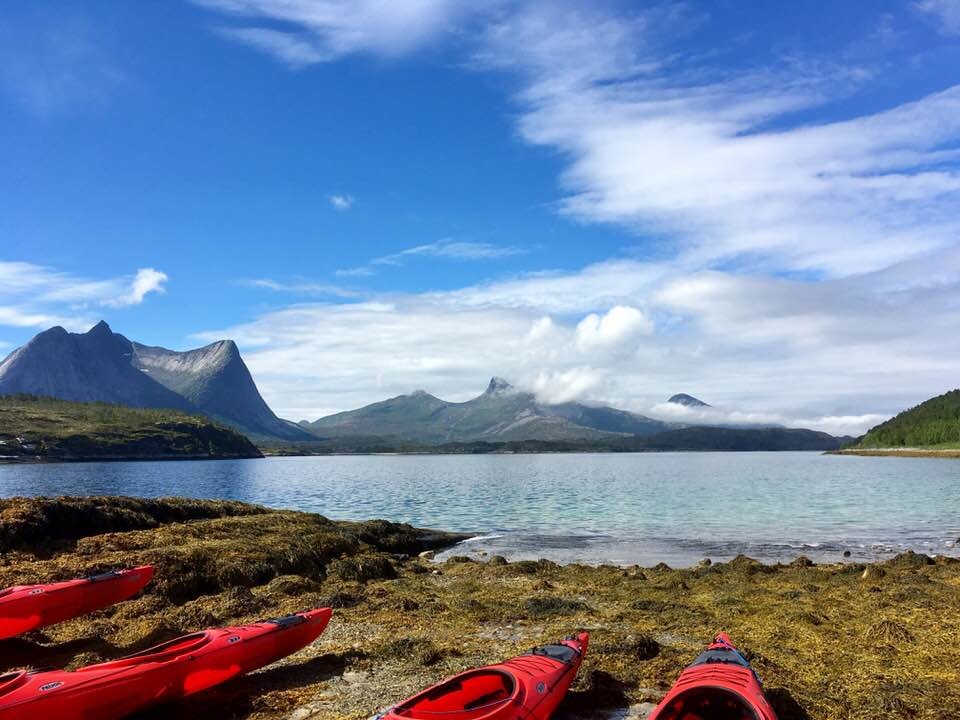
column 35, row 429
column 930, row 429
column 829, row 641
column 692, row 439
column 909, row 452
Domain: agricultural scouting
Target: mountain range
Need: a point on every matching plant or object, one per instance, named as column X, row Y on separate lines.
column 501, row 414
column 103, row 366
column 505, row 418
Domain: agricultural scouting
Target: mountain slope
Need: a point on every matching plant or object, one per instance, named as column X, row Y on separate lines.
column 103, row 366
column 92, row 367
column 216, row 380
column 935, row 422
column 609, row 419
column 501, row 414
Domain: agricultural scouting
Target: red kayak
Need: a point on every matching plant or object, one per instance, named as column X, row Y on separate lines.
column 166, row 672
column 527, row 687
column 718, row 685
column 28, row 607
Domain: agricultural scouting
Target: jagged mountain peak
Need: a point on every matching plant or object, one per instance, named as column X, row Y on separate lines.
column 498, row 386
column 101, row 328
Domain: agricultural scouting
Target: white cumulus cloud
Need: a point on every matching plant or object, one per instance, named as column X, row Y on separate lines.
column 620, row 326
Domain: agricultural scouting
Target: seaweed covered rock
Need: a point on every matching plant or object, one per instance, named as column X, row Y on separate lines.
column 399, row 627
column 37, row 523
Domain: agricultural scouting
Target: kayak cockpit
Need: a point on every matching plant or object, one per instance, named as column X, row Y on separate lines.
column 708, row 703
column 11, row 681
column 160, row 653
column 470, row 696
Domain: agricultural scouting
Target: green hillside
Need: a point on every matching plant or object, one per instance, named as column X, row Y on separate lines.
column 49, row 429
column 934, row 423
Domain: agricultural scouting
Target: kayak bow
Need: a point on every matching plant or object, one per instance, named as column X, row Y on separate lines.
column 28, row 607
column 527, row 687
column 173, row 670
column 718, row 685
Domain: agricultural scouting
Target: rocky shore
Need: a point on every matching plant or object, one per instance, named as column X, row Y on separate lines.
column 829, row 641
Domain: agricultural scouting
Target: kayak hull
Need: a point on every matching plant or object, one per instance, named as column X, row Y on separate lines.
column 173, row 670
column 719, row 684
column 29, row 607
column 527, row 687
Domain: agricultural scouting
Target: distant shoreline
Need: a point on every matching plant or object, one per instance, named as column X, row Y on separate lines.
column 898, row 452
column 52, row 460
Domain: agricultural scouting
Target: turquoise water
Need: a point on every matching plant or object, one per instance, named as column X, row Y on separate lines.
column 617, row 508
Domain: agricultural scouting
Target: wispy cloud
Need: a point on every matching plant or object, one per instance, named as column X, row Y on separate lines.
column 295, row 50
column 341, row 202
column 446, row 249
column 324, row 30
column 302, row 287
column 710, row 157
column 450, row 250
column 362, row 271
column 947, row 13
column 56, row 64
column 735, row 178
column 38, row 296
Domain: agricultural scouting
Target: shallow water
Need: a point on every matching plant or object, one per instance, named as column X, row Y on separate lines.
column 617, row 508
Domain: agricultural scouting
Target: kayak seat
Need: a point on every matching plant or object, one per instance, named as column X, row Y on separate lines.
column 709, row 703
column 484, row 700
column 464, row 698
column 12, row 680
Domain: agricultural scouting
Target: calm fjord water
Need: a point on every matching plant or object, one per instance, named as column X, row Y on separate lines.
column 617, row 508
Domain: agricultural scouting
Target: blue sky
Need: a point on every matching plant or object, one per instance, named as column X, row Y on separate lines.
column 753, row 202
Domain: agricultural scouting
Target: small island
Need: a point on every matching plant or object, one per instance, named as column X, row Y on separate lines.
column 829, row 641
column 45, row 429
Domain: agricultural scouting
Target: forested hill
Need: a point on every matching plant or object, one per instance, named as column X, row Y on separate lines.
column 935, row 422
column 48, row 429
